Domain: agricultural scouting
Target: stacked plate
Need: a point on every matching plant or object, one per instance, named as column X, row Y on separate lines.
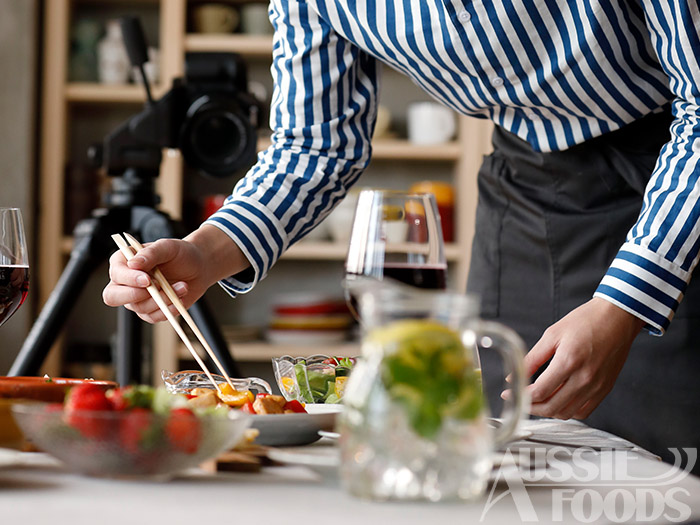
column 309, row 319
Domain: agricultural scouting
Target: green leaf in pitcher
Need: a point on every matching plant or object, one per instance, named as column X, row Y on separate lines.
column 428, row 373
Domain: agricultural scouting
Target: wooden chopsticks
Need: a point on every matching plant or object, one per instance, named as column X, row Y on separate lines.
column 129, row 252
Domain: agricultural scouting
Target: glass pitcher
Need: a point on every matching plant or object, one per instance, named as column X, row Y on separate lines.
column 415, row 423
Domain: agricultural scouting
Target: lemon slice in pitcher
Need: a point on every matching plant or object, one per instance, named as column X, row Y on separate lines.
column 429, row 373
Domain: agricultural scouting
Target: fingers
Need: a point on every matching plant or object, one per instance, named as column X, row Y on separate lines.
column 562, row 404
column 122, row 274
column 138, row 299
column 576, row 397
column 539, row 354
column 152, row 316
column 154, row 254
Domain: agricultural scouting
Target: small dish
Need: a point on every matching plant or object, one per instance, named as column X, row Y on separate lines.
column 184, row 381
column 273, row 429
column 287, row 430
column 314, row 379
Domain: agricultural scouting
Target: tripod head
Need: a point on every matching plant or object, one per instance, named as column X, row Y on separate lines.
column 208, row 115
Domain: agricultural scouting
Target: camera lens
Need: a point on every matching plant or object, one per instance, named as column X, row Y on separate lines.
column 217, row 137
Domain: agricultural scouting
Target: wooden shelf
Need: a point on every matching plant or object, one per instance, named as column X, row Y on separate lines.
column 317, row 251
column 397, row 149
column 331, row 251
column 106, row 94
column 248, row 45
column 66, row 244
column 461, row 157
column 262, row 351
column 403, row 149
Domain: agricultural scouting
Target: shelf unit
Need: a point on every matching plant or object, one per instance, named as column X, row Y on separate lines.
column 464, row 154
column 258, row 351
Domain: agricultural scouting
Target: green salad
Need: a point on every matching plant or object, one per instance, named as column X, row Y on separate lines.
column 323, row 382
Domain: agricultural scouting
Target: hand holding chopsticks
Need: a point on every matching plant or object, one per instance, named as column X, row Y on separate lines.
column 129, row 253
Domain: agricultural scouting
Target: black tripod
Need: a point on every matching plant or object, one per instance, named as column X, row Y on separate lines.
column 130, row 208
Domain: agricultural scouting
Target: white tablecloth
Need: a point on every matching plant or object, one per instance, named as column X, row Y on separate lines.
column 535, row 482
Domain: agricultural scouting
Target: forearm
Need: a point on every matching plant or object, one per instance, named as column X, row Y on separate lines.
column 649, row 276
column 321, row 143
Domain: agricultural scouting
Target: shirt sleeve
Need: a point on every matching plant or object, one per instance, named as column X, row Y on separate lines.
column 653, row 268
column 322, row 117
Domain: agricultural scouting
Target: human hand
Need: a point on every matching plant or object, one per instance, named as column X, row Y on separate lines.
column 191, row 265
column 180, row 264
column 588, row 348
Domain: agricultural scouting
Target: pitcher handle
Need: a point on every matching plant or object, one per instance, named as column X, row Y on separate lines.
column 495, row 336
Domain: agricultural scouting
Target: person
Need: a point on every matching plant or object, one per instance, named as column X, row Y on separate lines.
column 587, row 228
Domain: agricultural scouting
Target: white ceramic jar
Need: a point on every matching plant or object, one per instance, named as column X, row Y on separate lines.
column 114, row 65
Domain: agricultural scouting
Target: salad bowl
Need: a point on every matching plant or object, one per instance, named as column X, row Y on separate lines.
column 314, row 379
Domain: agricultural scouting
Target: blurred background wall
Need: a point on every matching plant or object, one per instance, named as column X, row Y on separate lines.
column 19, row 44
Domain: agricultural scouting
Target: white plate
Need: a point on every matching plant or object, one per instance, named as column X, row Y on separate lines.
column 299, row 337
column 323, row 459
column 321, row 456
column 520, row 433
column 287, row 430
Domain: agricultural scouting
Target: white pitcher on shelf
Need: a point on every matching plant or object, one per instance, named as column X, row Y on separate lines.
column 114, row 65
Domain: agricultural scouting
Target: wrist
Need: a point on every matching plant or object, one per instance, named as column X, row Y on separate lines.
column 620, row 316
column 221, row 256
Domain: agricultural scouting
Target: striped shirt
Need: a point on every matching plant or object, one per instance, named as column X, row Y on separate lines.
column 556, row 73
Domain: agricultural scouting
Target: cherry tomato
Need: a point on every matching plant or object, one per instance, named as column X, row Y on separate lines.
column 295, row 406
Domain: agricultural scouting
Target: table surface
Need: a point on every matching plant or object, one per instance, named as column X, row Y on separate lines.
column 610, row 480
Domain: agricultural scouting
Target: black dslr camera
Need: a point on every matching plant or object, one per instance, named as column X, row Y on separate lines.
column 208, row 115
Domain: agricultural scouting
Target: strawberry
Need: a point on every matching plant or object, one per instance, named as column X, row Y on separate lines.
column 118, row 399
column 183, row 430
column 82, row 404
column 139, row 396
column 134, row 428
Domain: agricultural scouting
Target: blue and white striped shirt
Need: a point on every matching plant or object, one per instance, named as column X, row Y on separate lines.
column 554, row 72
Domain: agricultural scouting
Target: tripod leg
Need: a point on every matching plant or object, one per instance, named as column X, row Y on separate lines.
column 83, row 261
column 127, row 360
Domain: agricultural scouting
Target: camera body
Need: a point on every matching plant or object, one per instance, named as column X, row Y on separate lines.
column 208, row 115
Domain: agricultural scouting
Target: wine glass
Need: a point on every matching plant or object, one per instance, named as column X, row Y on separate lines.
column 395, row 235
column 14, row 263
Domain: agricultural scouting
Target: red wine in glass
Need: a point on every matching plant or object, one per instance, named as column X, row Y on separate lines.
column 426, row 277
column 14, row 287
column 420, row 276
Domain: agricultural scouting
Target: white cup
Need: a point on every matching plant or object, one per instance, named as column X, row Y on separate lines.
column 255, row 20
column 430, row 123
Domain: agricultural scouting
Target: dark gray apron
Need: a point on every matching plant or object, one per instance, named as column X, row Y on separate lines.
column 547, row 227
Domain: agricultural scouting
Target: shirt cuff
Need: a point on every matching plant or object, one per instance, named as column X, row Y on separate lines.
column 644, row 284
column 259, row 235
